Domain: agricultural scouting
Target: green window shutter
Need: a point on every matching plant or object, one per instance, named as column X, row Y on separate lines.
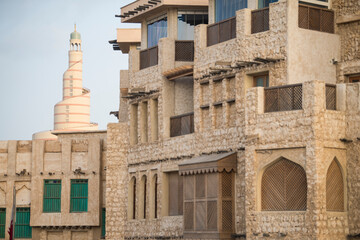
column 22, row 224
column 79, row 195
column 103, row 219
column 2, row 222
column 52, row 196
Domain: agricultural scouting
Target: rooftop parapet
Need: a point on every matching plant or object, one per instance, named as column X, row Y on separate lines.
column 141, row 9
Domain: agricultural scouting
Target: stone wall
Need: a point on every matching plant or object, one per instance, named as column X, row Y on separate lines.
column 25, row 165
column 229, row 117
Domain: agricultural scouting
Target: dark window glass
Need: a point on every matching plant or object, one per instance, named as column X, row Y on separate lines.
column 187, row 21
column 103, row 225
column 157, row 30
column 265, row 3
column 261, row 81
column 225, row 9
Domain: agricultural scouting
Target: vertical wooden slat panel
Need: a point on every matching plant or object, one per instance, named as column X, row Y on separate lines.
column 189, row 187
column 212, row 216
column 200, row 186
column 200, row 216
column 189, row 216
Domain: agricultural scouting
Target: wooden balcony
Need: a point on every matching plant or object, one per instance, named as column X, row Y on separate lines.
column 221, row 31
column 149, row 57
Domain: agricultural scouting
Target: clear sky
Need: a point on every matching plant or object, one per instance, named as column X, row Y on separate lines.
column 34, row 44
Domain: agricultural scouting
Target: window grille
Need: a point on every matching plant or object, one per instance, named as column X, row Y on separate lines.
column 284, row 187
column 330, row 97
column 283, row 98
column 52, row 196
column 334, row 188
column 314, row 18
column 22, row 224
column 79, row 195
column 260, row 20
column 184, row 51
column 2, row 222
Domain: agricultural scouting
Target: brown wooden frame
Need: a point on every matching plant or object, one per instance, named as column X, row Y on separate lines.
column 354, row 78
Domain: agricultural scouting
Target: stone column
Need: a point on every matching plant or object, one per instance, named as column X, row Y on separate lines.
column 116, row 180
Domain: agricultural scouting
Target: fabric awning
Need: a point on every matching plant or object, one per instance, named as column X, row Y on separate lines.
column 217, row 162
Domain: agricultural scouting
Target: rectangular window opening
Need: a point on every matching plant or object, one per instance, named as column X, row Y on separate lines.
column 156, row 29
column 22, row 225
column 79, row 195
column 52, row 196
column 2, row 222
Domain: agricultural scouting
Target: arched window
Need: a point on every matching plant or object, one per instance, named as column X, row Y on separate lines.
column 334, row 188
column 132, row 199
column 154, row 196
column 284, row 187
column 142, row 200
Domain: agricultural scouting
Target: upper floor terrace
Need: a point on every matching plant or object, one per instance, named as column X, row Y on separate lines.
column 285, row 30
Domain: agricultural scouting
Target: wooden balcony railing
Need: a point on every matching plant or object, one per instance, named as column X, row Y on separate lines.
column 283, row 98
column 149, row 57
column 221, row 31
column 260, row 20
column 182, row 124
column 330, row 96
column 314, row 18
column 184, row 51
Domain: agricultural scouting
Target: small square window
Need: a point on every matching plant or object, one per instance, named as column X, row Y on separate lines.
column 261, row 80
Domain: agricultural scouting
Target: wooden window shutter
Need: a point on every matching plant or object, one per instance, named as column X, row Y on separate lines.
column 334, row 188
column 284, row 187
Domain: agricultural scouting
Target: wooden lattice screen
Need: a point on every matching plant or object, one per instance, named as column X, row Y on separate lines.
column 221, row 31
column 334, row 188
column 149, row 57
column 284, row 187
column 283, row 98
column 330, row 97
column 182, row 124
column 227, row 201
column 184, row 51
column 314, row 18
column 260, row 20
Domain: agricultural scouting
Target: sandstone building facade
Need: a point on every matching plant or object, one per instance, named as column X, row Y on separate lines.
column 236, row 124
column 59, row 176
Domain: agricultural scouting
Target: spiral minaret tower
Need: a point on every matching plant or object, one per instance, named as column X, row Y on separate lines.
column 73, row 112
